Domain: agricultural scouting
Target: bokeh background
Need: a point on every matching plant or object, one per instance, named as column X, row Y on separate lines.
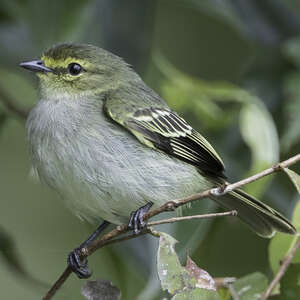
column 231, row 68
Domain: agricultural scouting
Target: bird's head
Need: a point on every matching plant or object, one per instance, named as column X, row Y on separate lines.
column 70, row 70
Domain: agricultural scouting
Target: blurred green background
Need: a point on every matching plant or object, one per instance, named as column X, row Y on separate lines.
column 231, row 68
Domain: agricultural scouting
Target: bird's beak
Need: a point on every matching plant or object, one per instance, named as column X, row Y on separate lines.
column 35, row 66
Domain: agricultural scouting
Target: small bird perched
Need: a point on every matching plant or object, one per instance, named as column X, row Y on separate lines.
column 111, row 146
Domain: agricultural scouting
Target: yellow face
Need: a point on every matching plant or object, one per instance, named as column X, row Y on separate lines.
column 72, row 70
column 67, row 69
column 69, row 76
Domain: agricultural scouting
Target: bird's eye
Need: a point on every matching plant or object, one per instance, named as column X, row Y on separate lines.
column 74, row 69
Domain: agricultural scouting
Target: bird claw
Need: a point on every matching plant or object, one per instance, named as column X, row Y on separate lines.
column 136, row 220
column 78, row 266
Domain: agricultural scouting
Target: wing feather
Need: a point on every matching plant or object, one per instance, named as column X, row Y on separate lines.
column 170, row 133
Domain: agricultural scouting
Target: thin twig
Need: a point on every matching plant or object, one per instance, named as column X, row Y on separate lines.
column 224, row 281
column 285, row 263
column 170, row 220
column 276, row 168
column 204, row 216
column 109, row 238
column 13, row 106
column 60, row 281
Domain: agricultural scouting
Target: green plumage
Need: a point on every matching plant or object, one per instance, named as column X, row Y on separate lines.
column 113, row 108
column 160, row 128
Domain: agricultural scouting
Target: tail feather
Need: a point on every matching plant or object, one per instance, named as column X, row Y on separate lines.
column 263, row 219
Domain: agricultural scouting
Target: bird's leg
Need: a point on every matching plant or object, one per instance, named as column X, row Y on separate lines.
column 136, row 221
column 79, row 266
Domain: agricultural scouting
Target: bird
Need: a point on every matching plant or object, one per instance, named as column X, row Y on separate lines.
column 113, row 148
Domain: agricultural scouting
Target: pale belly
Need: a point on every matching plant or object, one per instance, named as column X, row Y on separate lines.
column 101, row 170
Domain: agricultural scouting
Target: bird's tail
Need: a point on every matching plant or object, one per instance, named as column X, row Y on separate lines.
column 263, row 219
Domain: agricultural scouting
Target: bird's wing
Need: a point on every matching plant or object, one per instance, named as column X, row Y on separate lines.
column 163, row 129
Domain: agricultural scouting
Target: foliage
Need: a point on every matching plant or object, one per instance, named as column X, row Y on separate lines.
column 281, row 244
column 251, row 287
column 290, row 283
column 231, row 68
column 188, row 282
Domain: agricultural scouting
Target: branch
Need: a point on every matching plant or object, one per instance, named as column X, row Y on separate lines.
column 278, row 167
column 109, row 238
column 204, row 216
column 13, row 106
column 285, row 264
column 67, row 272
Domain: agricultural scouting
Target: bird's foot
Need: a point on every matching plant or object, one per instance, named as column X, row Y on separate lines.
column 136, row 221
column 78, row 265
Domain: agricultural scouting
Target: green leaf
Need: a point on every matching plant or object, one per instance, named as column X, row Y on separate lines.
column 170, row 271
column 196, row 294
column 259, row 133
column 251, row 287
column 290, row 283
column 224, row 293
column 278, row 249
column 100, row 289
column 281, row 244
column 295, row 178
column 188, row 282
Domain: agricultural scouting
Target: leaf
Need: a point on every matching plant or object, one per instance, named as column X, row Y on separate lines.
column 251, row 287
column 196, row 294
column 203, row 279
column 281, row 244
column 278, row 249
column 295, row 178
column 224, row 293
column 170, row 271
column 188, row 282
column 291, row 93
column 260, row 134
column 100, row 289
column 290, row 283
